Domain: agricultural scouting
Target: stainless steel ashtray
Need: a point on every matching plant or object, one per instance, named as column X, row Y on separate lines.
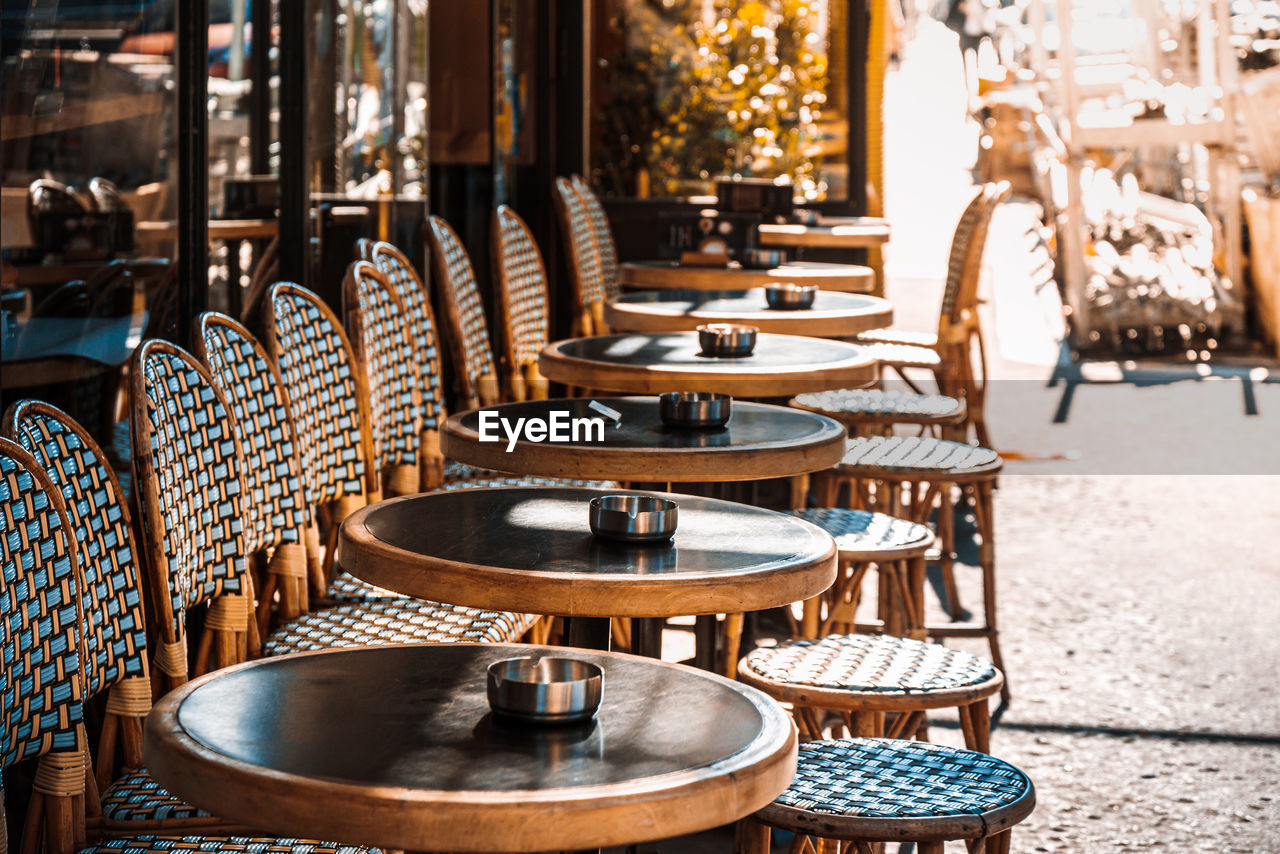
column 695, row 410
column 633, row 518
column 789, row 296
column 726, row 339
column 545, row 690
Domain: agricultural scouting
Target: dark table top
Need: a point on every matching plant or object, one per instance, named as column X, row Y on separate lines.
column 530, row 549
column 833, row 314
column 760, row 441
column 780, row 366
column 396, row 746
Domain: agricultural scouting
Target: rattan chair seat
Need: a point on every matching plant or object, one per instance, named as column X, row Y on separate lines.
column 525, row 480
column 864, row 404
column 872, row 456
column 902, row 355
column 866, row 664
column 138, row 797
column 454, row 470
column 862, row 535
column 884, row 789
column 908, row 337
column 396, row 621
column 220, row 845
column 345, row 587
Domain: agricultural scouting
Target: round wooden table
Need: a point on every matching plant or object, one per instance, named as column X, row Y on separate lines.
column 780, row 366
column 530, row 549
column 663, row 275
column 829, row 233
column 760, row 441
column 833, row 315
column 396, row 747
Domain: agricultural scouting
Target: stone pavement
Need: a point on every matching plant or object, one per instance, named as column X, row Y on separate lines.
column 1138, row 543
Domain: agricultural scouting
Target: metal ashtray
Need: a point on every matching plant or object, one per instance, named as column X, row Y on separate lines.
column 633, row 518
column 545, row 690
column 695, row 410
column 726, row 339
column 763, row 259
column 789, row 296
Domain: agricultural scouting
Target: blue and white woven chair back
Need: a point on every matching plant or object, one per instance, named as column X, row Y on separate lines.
column 114, row 633
column 606, row 248
column 40, row 649
column 469, row 331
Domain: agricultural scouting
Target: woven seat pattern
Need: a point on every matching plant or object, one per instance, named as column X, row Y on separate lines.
column 606, row 249
column 219, row 845
column 138, row 797
column 197, row 486
column 345, row 587
column 374, row 623
column 879, row 402
column 584, row 259
column 115, row 643
column 861, row 530
column 454, row 470
column 870, row 663
column 914, row 453
column 458, row 285
column 313, row 357
column 240, row 368
column 905, row 337
column 889, row 778
column 902, row 354
column 40, row 687
column 524, row 288
column 395, row 401
column 420, row 321
column 524, row 480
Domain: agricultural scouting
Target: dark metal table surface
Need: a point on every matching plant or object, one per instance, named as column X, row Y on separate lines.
column 530, row 549
column 833, row 314
column 780, row 366
column 395, row 746
column 760, row 441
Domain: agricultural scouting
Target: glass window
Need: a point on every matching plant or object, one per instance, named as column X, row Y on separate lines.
column 686, row 91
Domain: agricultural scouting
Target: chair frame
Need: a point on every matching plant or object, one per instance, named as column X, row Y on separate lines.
column 522, row 341
column 222, row 640
column 483, row 389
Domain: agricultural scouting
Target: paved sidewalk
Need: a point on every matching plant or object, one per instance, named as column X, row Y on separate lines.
column 1138, row 547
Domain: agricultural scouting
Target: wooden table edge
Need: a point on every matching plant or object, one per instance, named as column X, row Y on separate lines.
column 613, row 814
column 692, row 465
column 378, row 562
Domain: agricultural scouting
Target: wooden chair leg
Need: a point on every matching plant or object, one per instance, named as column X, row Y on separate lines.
column 947, row 546
column 732, row 643
column 986, row 518
column 751, row 837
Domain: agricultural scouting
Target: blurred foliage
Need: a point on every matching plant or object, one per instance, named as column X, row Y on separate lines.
column 702, row 91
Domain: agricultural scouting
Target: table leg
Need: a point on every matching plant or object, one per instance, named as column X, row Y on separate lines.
column 646, row 636
column 587, row 632
column 234, row 294
column 705, row 633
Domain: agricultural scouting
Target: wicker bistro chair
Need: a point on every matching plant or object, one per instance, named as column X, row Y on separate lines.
column 187, row 466
column 287, row 552
column 378, row 326
column 40, row 650
column 950, row 353
column 364, row 614
column 875, row 685
column 522, row 290
column 894, row 548
column 584, row 260
column 113, row 634
column 602, row 234
column 421, row 327
column 914, row 478
column 851, row 794
column 328, row 405
column 473, row 356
